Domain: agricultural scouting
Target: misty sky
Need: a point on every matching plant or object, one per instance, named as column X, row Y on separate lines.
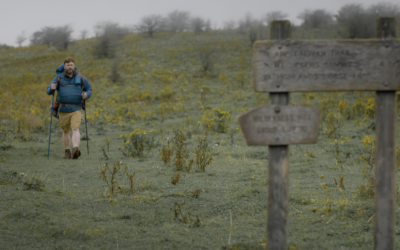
column 31, row 15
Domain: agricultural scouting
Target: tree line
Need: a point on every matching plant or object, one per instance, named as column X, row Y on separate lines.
column 352, row 20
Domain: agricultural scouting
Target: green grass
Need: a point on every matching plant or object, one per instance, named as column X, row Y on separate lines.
column 58, row 204
column 74, row 211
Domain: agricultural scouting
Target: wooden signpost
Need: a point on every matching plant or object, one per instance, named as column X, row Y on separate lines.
column 281, row 66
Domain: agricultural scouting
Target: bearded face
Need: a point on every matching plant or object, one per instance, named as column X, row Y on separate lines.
column 69, row 68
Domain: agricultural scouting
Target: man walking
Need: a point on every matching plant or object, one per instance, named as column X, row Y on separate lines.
column 72, row 90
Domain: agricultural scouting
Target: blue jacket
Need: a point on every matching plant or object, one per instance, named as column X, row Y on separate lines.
column 70, row 90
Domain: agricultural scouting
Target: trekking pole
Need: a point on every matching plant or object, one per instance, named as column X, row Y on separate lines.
column 87, row 138
column 51, row 121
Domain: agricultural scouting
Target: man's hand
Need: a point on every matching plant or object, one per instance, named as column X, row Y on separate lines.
column 84, row 95
column 53, row 86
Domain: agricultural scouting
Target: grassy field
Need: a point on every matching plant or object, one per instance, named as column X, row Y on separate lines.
column 157, row 103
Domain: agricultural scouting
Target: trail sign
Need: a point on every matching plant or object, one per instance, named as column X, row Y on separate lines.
column 282, row 66
column 280, row 125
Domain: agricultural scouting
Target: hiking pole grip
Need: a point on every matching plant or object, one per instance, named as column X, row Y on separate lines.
column 51, row 121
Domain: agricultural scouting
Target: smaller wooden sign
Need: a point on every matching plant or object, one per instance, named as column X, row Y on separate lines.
column 280, row 125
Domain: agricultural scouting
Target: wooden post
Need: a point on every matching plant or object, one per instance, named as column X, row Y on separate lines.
column 385, row 199
column 278, row 179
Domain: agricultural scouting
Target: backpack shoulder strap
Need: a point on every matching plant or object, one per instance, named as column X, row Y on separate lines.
column 79, row 73
column 58, row 83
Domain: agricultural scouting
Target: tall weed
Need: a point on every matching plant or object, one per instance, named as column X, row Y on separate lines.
column 203, row 155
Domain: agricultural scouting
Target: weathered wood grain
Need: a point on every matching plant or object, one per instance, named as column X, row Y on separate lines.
column 278, row 178
column 385, row 194
column 280, row 125
column 340, row 65
column 278, row 197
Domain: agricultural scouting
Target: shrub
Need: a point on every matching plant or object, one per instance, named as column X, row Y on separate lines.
column 175, row 179
column 358, row 109
column 178, row 214
column 4, row 46
column 138, row 143
column 181, row 154
column 203, row 155
column 167, row 152
column 344, row 109
column 367, row 191
column 130, row 177
column 115, row 76
column 206, row 57
column 333, row 121
column 34, row 183
column 216, row 120
column 370, row 107
column 241, row 78
column 111, row 182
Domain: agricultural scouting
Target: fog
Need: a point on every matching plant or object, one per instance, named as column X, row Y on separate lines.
column 29, row 16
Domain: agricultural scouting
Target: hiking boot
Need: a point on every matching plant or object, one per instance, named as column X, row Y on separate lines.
column 76, row 153
column 67, row 154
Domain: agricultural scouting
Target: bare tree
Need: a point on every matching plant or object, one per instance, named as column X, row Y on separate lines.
column 43, row 37
column 109, row 33
column 355, row 20
column 229, row 25
column 384, row 10
column 197, row 25
column 21, row 38
column 251, row 27
column 178, row 21
column 360, row 22
column 207, row 25
column 62, row 36
column 4, row 46
column 84, row 34
column 59, row 37
column 315, row 18
column 151, row 24
column 274, row 15
column 206, row 55
column 247, row 23
column 108, row 28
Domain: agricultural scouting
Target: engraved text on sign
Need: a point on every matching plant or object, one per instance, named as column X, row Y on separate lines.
column 282, row 66
column 280, row 125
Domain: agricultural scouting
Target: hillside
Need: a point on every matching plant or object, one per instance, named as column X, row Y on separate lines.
column 160, row 106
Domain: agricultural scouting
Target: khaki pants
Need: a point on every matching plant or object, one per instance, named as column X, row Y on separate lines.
column 70, row 120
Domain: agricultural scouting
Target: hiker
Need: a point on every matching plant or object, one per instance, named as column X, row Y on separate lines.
column 73, row 89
